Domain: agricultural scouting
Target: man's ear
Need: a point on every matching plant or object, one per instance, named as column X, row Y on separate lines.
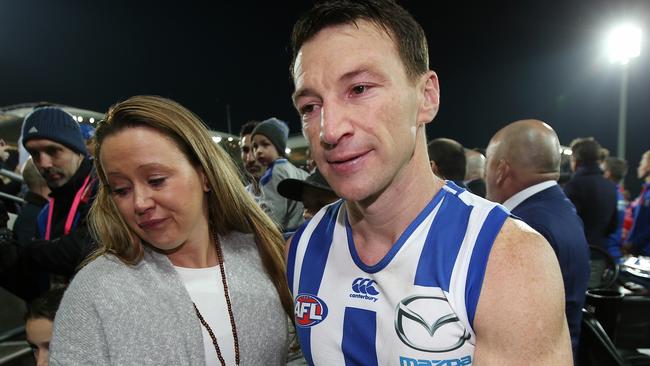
column 503, row 171
column 434, row 168
column 431, row 97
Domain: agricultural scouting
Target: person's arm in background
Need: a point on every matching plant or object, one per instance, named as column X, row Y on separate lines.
column 639, row 237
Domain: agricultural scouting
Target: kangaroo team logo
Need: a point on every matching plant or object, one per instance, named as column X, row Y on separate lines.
column 309, row 310
column 425, row 323
column 364, row 289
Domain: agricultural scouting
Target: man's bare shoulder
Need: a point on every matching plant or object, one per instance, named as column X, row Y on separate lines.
column 520, row 315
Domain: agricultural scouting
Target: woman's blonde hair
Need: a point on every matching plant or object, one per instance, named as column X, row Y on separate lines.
column 230, row 207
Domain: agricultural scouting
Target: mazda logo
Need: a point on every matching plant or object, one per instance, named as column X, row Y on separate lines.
column 413, row 338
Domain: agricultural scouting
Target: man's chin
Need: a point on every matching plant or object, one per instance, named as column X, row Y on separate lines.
column 55, row 183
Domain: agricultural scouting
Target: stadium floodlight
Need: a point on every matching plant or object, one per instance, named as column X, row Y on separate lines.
column 624, row 43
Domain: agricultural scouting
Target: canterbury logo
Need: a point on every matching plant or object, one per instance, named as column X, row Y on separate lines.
column 364, row 286
column 33, row 129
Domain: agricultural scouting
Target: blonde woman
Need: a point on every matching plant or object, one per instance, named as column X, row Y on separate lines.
column 190, row 270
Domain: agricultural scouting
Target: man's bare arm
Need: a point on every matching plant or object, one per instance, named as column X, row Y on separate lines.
column 520, row 317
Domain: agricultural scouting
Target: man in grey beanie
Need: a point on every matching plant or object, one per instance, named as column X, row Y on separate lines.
column 61, row 241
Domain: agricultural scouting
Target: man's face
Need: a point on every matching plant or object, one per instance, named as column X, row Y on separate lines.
column 360, row 111
column 644, row 166
column 55, row 162
column 252, row 166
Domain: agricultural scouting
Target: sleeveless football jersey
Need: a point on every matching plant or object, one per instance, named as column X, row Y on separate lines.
column 414, row 307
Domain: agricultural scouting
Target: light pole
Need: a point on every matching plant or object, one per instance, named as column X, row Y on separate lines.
column 623, row 44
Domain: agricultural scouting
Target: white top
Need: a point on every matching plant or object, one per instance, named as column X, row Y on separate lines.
column 206, row 291
column 521, row 196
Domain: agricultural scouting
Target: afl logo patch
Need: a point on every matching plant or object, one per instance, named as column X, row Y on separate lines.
column 309, row 310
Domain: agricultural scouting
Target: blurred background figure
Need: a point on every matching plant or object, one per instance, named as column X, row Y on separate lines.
column 447, row 158
column 593, row 196
column 35, row 198
column 638, row 241
column 615, row 169
column 88, row 132
column 9, row 163
column 314, row 192
column 523, row 167
column 38, row 324
column 252, row 168
column 270, row 143
column 475, row 172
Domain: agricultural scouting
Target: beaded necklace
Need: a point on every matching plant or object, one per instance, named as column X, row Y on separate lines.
column 230, row 314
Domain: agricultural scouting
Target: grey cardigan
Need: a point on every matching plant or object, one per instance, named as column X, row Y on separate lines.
column 115, row 314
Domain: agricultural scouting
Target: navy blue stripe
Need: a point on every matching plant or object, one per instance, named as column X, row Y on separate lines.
column 359, row 337
column 400, row 242
column 443, row 243
column 313, row 266
column 478, row 263
column 291, row 258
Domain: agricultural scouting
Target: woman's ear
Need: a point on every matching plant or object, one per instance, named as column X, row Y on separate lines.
column 204, row 180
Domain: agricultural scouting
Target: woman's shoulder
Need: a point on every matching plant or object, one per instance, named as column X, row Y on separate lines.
column 100, row 271
column 237, row 239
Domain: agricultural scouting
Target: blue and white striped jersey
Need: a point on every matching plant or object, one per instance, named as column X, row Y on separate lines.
column 415, row 307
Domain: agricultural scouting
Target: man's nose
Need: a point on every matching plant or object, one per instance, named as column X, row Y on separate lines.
column 335, row 123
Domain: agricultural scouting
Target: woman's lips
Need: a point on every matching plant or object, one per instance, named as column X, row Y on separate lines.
column 151, row 224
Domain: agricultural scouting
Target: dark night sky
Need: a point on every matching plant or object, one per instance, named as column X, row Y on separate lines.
column 497, row 61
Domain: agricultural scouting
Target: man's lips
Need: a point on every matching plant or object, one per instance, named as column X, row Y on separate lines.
column 151, row 224
column 343, row 163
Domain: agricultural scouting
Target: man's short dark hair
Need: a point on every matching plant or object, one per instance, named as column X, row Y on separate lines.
column 247, row 128
column 617, row 168
column 46, row 305
column 449, row 156
column 586, row 150
column 407, row 34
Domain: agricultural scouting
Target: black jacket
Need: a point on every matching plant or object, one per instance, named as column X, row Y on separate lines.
column 61, row 255
column 595, row 201
column 25, row 225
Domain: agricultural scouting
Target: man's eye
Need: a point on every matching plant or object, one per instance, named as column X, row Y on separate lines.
column 359, row 89
column 306, row 109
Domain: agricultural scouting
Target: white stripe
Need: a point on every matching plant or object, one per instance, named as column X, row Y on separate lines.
column 302, row 248
column 461, row 266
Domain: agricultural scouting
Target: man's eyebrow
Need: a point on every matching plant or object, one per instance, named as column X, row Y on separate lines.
column 360, row 71
column 305, row 92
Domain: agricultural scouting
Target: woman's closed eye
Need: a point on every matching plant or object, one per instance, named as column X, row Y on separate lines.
column 119, row 191
column 157, row 181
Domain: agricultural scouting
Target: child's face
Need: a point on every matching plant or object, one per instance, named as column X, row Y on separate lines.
column 265, row 151
column 39, row 335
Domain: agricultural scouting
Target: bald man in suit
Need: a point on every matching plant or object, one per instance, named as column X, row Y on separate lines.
column 523, row 166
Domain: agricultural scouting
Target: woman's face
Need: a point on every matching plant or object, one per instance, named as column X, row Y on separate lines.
column 158, row 192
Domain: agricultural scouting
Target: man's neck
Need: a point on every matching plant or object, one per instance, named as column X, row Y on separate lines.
column 377, row 225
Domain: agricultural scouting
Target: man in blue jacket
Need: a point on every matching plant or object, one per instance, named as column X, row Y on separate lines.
column 592, row 194
column 523, row 166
